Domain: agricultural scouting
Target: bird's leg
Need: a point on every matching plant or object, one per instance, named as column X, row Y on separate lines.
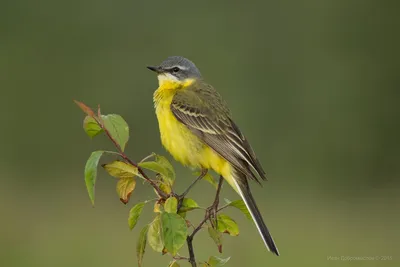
column 211, row 212
column 181, row 197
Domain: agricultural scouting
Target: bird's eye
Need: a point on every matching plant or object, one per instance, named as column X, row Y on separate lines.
column 176, row 69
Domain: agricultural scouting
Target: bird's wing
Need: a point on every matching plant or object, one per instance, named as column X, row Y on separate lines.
column 204, row 112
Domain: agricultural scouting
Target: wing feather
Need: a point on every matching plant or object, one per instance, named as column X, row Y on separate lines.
column 206, row 115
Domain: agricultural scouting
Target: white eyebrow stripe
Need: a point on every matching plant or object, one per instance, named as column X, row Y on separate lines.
column 181, row 67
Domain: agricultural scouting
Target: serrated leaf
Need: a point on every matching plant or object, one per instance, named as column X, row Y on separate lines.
column 118, row 128
column 125, row 186
column 174, row 231
column 171, row 205
column 120, row 169
column 173, row 264
column 154, row 235
column 209, row 178
column 239, row 204
column 188, row 204
column 226, row 224
column 91, row 172
column 134, row 214
column 141, row 244
column 91, row 127
column 85, row 108
column 216, row 261
column 216, row 236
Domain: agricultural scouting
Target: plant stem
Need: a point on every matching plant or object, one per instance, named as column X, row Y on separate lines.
column 125, row 157
column 182, row 196
column 202, row 174
column 189, row 239
column 192, row 258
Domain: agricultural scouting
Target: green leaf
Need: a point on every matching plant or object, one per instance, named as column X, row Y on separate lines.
column 91, row 127
column 161, row 172
column 163, row 161
column 173, row 264
column 174, row 231
column 120, row 169
column 227, row 225
column 141, row 244
column 188, row 204
column 239, row 204
column 216, row 261
column 118, row 128
column 171, row 205
column 125, row 186
column 134, row 214
column 154, row 235
column 162, row 166
column 91, row 172
column 154, row 166
column 216, row 236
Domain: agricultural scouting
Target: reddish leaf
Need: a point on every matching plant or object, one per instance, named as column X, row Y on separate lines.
column 126, row 200
column 85, row 108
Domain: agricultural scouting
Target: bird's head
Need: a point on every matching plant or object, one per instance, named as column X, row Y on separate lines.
column 176, row 69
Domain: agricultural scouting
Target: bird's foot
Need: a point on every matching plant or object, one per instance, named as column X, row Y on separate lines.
column 211, row 213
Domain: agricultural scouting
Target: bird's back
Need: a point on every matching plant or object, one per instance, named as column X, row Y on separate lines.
column 201, row 108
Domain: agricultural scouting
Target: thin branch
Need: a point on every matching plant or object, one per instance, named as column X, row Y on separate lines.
column 125, row 157
column 202, row 174
column 192, row 258
column 214, row 205
column 182, row 196
column 180, row 258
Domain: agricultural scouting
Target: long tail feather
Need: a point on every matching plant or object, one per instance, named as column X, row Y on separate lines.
column 244, row 191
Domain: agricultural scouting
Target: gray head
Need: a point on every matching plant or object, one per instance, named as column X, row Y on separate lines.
column 176, row 68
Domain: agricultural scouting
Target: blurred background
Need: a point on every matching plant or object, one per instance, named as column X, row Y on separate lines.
column 313, row 84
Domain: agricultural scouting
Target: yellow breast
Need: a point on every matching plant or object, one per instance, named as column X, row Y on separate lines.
column 183, row 145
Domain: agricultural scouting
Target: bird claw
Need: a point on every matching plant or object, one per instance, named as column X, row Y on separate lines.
column 211, row 213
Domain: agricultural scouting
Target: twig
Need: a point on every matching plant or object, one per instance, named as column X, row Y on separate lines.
column 180, row 258
column 125, row 157
column 192, row 258
column 182, row 196
column 202, row 174
column 189, row 239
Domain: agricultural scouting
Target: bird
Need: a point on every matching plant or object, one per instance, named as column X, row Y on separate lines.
column 197, row 129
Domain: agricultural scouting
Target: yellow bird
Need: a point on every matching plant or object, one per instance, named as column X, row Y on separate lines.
column 197, row 129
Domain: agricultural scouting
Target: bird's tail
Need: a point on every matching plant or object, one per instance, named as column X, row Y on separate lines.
column 244, row 191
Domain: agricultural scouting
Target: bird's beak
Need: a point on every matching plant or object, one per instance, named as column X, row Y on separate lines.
column 155, row 69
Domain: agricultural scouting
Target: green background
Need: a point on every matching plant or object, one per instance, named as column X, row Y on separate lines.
column 313, row 84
